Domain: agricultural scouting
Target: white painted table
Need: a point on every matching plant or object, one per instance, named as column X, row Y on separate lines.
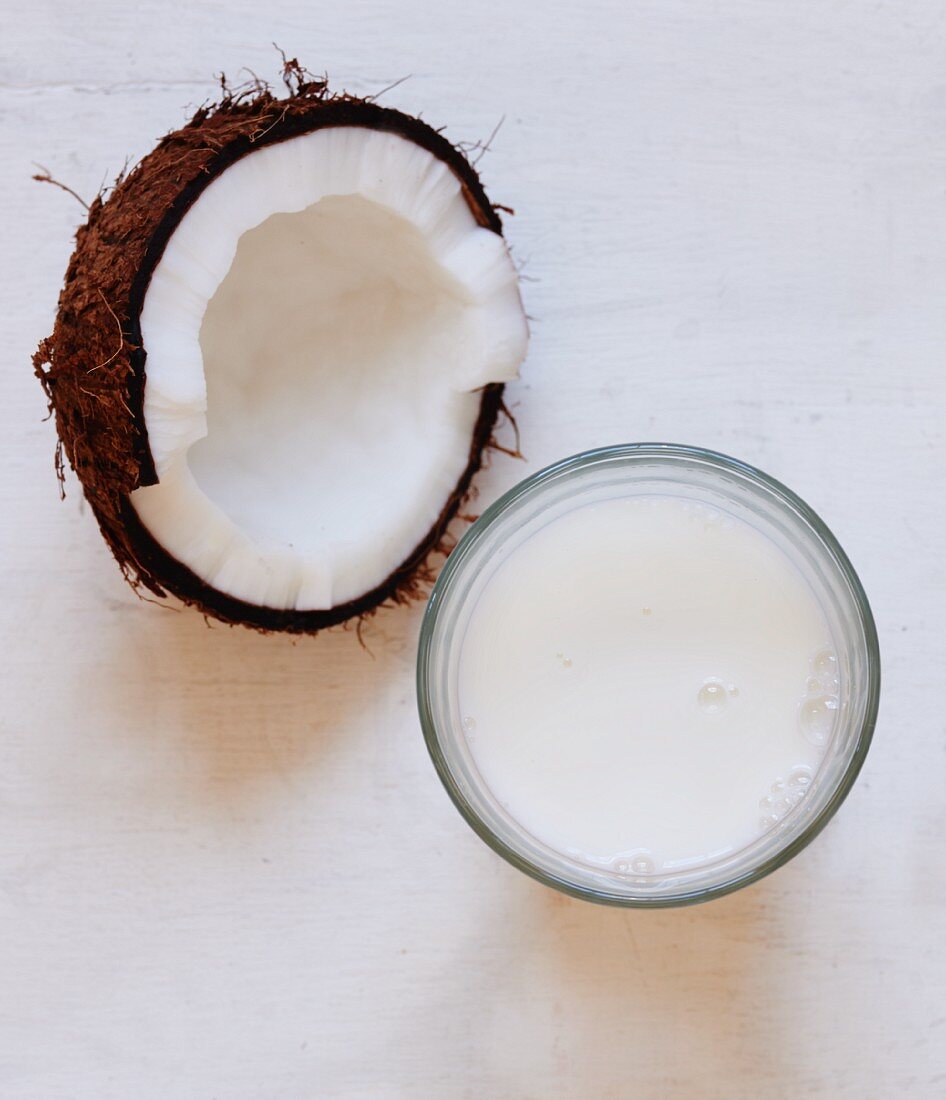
column 226, row 866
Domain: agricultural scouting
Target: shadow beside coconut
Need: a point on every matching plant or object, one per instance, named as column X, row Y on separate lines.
column 248, row 716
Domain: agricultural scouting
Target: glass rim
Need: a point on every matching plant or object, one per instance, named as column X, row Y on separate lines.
column 647, row 451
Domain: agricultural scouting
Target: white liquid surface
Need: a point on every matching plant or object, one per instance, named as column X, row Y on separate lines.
column 647, row 684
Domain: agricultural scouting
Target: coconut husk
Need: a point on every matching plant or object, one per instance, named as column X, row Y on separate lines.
column 93, row 366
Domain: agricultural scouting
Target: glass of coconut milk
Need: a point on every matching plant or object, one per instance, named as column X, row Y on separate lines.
column 648, row 675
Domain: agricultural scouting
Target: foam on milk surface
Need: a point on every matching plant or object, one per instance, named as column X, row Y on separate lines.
column 647, row 683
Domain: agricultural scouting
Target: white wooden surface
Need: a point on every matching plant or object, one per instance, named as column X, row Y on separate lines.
column 226, row 866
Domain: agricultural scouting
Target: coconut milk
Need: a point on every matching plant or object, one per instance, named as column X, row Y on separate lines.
column 647, row 684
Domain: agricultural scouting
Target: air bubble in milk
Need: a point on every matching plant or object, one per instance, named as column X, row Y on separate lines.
column 712, row 695
column 469, row 724
column 800, row 778
column 640, row 863
column 643, row 864
column 816, row 717
column 824, row 668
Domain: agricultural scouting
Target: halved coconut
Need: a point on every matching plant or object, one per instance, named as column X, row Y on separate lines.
column 280, row 353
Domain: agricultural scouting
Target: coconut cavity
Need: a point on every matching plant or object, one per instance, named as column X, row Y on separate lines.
column 317, row 331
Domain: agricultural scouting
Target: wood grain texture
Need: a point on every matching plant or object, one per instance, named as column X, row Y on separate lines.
column 226, row 866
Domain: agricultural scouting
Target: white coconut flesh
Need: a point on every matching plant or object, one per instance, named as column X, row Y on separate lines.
column 317, row 331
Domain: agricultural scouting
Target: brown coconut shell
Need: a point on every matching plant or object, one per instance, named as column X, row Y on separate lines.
column 93, row 365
